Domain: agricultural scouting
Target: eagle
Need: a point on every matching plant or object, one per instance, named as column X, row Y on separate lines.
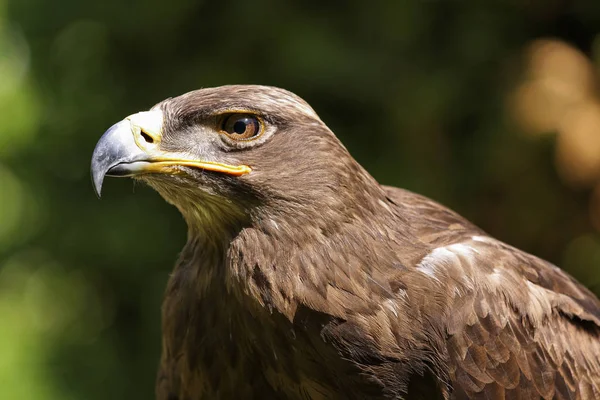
column 304, row 278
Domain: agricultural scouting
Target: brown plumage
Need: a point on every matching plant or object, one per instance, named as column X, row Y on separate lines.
column 306, row 279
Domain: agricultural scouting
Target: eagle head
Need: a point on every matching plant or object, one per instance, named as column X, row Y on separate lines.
column 221, row 155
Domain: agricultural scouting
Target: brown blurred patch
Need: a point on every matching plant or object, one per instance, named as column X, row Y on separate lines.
column 558, row 77
column 578, row 147
column 560, row 95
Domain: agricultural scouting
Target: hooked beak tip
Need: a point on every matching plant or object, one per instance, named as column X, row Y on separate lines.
column 97, row 180
column 116, row 146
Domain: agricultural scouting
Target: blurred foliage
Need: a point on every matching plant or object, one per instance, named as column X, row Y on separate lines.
column 419, row 91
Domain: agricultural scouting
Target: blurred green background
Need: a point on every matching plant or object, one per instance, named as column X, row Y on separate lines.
column 490, row 107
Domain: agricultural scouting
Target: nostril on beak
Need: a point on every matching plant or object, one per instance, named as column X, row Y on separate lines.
column 146, row 126
column 147, row 138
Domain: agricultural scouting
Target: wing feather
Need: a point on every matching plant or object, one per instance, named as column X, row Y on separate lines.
column 518, row 327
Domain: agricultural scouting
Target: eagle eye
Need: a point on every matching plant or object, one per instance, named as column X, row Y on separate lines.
column 242, row 126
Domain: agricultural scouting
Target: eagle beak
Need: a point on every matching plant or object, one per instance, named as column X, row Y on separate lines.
column 130, row 148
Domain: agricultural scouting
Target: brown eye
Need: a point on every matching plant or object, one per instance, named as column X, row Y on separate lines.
column 241, row 126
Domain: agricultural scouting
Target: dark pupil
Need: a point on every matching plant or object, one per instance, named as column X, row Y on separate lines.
column 240, row 126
